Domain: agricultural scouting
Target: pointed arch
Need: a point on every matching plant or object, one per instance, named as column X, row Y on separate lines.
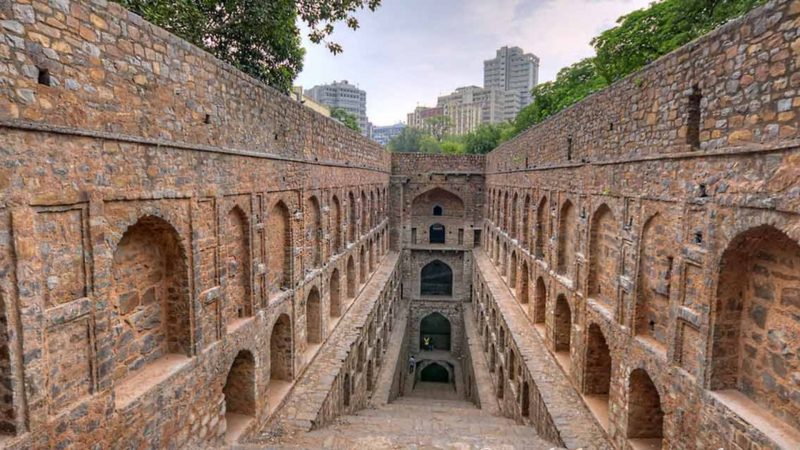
column 541, row 229
column 335, row 294
column 313, row 235
column 567, row 237
column 756, row 309
column 336, row 224
column 352, row 217
column 150, row 292
column 279, row 247
column 603, row 256
column 238, row 303
column 436, row 278
column 313, row 317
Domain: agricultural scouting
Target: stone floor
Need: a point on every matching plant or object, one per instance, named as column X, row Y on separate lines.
column 417, row 422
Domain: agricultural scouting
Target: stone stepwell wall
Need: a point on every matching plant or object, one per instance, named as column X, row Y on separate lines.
column 95, row 67
column 176, row 239
column 421, row 163
column 737, row 87
column 665, row 282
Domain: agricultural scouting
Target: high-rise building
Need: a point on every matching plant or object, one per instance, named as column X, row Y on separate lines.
column 299, row 95
column 515, row 72
column 470, row 106
column 420, row 116
column 382, row 135
column 341, row 94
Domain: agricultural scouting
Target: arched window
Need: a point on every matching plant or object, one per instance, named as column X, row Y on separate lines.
column 437, row 233
column 436, row 279
column 437, row 210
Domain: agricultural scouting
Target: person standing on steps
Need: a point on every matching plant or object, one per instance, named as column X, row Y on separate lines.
column 412, row 363
column 426, row 343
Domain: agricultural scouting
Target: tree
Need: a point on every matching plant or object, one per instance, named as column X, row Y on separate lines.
column 571, row 85
column 429, row 144
column 486, row 138
column 407, row 141
column 452, row 147
column 646, row 34
column 438, row 126
column 259, row 37
column 349, row 120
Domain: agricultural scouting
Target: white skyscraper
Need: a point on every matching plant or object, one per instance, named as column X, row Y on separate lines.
column 514, row 72
column 346, row 96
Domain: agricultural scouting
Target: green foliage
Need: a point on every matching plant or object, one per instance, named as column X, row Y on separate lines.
column 429, row 144
column 407, row 141
column 348, row 119
column 452, row 147
column 438, row 126
column 571, row 85
column 259, row 37
column 644, row 35
column 487, row 137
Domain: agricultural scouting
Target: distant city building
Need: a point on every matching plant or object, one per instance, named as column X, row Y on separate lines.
column 299, row 96
column 382, row 135
column 470, row 106
column 421, row 114
column 341, row 94
column 514, row 72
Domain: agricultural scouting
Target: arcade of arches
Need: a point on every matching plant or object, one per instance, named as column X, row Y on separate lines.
column 185, row 269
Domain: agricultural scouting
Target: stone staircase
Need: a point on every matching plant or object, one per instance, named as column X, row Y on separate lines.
column 415, row 422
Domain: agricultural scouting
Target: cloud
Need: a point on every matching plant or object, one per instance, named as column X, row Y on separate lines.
column 410, row 51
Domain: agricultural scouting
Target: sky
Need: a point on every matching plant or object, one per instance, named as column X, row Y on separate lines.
column 408, row 52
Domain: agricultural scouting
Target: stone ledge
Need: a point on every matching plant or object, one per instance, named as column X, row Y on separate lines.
column 576, row 425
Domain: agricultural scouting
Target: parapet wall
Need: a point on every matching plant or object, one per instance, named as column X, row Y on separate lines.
column 424, row 163
column 113, row 73
column 745, row 75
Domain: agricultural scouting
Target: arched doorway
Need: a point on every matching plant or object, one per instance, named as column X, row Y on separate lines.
column 335, row 294
column 756, row 311
column 150, row 286
column 313, row 317
column 645, row 416
column 436, row 278
column 239, row 393
column 280, row 350
column 597, row 373
column 435, row 327
column 434, row 373
column 351, row 278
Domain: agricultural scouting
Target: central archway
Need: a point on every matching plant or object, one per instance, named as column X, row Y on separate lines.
column 436, row 278
column 435, row 373
column 436, row 327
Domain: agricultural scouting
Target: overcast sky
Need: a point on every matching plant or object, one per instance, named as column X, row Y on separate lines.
column 408, row 52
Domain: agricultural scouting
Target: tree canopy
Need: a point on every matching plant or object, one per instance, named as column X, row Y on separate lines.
column 644, row 35
column 348, row 119
column 259, row 37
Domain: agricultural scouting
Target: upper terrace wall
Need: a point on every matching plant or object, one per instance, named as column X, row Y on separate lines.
column 112, row 72
column 747, row 72
column 423, row 163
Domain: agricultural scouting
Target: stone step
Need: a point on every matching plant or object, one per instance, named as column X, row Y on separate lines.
column 411, row 422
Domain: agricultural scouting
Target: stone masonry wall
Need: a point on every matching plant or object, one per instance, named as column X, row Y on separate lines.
column 743, row 77
column 166, row 222
column 667, row 270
